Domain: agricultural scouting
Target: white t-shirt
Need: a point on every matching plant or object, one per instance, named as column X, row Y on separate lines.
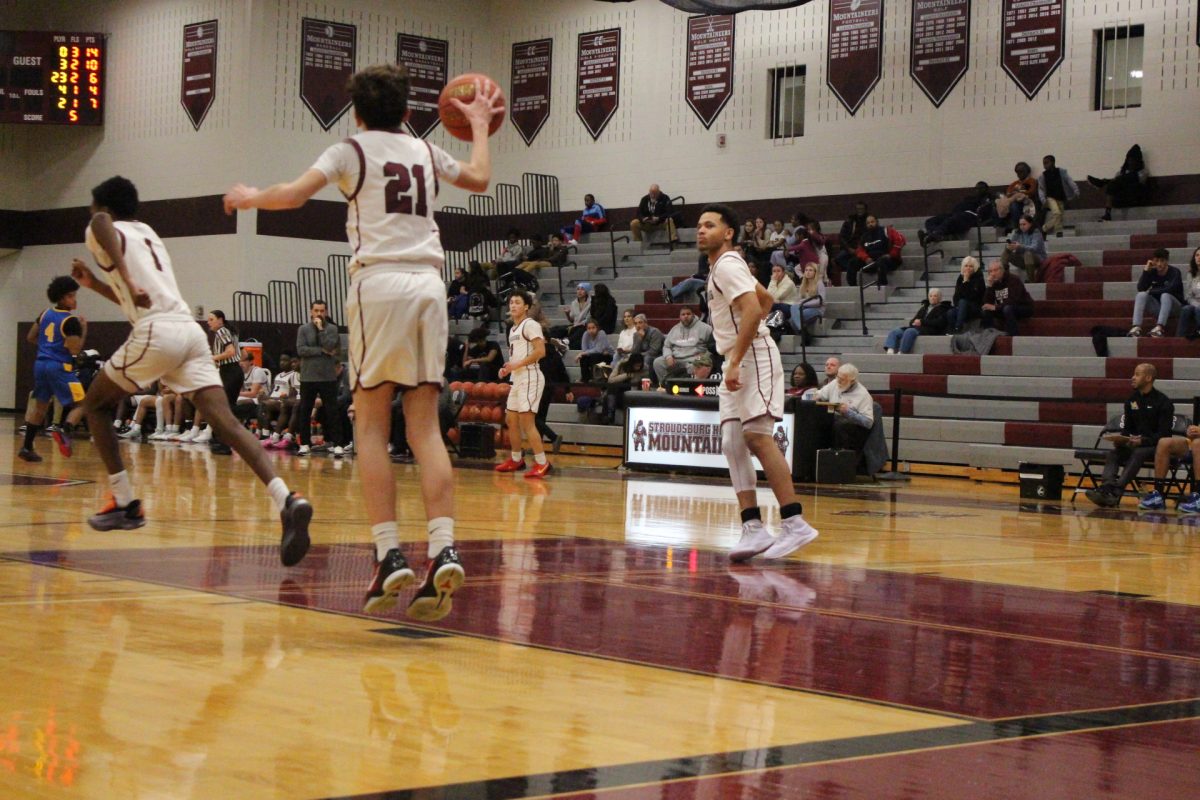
column 520, row 344
column 149, row 266
column 390, row 181
column 729, row 279
column 285, row 383
column 256, row 375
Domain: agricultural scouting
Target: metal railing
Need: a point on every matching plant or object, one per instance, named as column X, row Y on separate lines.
column 338, row 269
column 570, row 249
column 925, row 253
column 251, row 307
column 541, row 192
column 862, row 297
column 314, row 285
column 285, row 305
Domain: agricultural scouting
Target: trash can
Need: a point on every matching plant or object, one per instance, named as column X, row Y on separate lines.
column 1041, row 481
column 836, row 466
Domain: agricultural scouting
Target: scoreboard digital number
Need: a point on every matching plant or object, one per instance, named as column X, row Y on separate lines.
column 52, row 78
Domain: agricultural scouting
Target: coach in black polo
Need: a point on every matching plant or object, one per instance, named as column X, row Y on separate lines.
column 1149, row 416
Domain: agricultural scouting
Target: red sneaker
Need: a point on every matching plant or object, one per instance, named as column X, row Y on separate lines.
column 63, row 440
column 538, row 470
column 508, row 465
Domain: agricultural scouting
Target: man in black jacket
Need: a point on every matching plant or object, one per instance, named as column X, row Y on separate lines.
column 1149, row 416
column 974, row 209
column 1159, row 291
column 654, row 211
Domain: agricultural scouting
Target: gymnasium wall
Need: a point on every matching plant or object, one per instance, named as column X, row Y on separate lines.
column 259, row 131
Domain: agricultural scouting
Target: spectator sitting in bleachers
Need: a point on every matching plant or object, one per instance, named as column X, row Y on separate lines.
column 1149, row 415
column 625, row 339
column 807, row 310
column 854, row 408
column 977, row 208
column 830, row 373
column 594, row 349
column 654, row 212
column 931, row 319
column 849, row 238
column 1056, row 190
column 782, row 290
column 1006, row 299
column 804, row 247
column 648, row 344
column 777, row 237
column 481, row 299
column 1026, row 249
column 1127, row 187
column 804, row 379
column 1189, row 315
column 699, row 279
column 481, row 360
column 684, row 344
column 578, row 313
column 458, row 296
column 1175, row 447
column 1019, row 199
column 968, row 294
column 592, row 218
column 873, row 254
column 512, row 255
column 544, row 254
column 1159, row 291
column 604, row 308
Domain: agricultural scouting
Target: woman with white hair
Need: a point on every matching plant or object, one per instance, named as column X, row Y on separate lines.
column 931, row 319
column 853, row 406
column 968, row 295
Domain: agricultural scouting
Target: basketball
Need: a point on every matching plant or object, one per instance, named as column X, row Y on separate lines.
column 463, row 88
column 505, row 388
column 497, row 414
column 456, row 386
column 469, row 388
column 452, row 435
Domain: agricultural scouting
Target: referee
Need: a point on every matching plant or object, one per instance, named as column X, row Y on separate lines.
column 227, row 356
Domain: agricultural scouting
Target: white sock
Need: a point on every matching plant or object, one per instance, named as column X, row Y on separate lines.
column 385, row 537
column 540, row 457
column 279, row 493
column 441, row 534
column 122, row 489
column 517, row 455
column 172, row 429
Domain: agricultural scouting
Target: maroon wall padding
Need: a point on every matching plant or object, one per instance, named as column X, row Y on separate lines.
column 1103, row 275
column 1117, row 368
column 182, row 216
column 1178, row 225
column 1074, row 291
column 885, row 400
column 1125, row 258
column 1109, row 390
column 950, row 365
column 11, row 229
column 925, row 384
column 1037, row 434
column 1067, row 326
column 1142, row 240
column 1076, row 413
column 1167, row 347
column 1081, row 308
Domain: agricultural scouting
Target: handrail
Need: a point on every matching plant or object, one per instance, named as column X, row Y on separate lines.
column 801, row 305
column 612, row 248
column 926, row 254
column 561, row 267
column 862, row 299
column 979, row 238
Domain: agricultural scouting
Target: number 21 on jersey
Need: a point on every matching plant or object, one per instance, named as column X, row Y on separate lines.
column 397, row 197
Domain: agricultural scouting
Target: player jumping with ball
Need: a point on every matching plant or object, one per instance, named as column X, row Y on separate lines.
column 751, row 395
column 396, row 309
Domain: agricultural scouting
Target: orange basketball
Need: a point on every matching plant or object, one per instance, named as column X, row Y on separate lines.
column 468, row 387
column 452, row 435
column 463, row 88
column 497, row 414
column 505, row 388
column 470, row 413
column 456, row 386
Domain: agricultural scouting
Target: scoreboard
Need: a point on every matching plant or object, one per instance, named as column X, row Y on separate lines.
column 52, row 78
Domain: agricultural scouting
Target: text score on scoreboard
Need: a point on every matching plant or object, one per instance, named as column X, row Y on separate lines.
column 50, row 77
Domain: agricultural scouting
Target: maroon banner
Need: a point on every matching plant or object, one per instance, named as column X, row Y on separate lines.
column 529, row 98
column 427, row 61
column 598, row 78
column 1032, row 42
column 709, row 76
column 941, row 46
column 198, row 87
column 855, row 50
column 327, row 53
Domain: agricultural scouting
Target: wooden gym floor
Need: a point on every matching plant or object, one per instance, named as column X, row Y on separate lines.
column 941, row 639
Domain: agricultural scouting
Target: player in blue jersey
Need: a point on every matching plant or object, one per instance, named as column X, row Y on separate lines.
column 58, row 333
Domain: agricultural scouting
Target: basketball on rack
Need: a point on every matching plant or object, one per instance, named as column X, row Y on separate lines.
column 463, row 88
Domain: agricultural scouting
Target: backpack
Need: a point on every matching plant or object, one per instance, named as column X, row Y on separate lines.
column 477, row 305
column 898, row 241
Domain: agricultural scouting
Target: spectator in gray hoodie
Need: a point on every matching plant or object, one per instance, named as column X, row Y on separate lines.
column 318, row 344
column 684, row 343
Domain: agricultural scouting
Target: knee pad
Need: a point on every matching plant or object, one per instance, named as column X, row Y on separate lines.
column 737, row 454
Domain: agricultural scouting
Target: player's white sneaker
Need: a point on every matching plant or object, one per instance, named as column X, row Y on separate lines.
column 303, row 451
column 755, row 540
column 134, row 432
column 338, row 451
column 204, row 436
column 189, row 435
column 157, row 436
column 796, row 533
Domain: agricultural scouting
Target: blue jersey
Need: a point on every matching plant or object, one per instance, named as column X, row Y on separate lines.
column 51, row 341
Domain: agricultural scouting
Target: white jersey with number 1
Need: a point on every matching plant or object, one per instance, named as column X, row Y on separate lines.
column 729, row 279
column 149, row 266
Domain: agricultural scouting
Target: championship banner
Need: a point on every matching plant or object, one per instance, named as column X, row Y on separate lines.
column 529, row 97
column 327, row 53
column 598, row 78
column 940, row 47
column 687, row 438
column 1032, row 41
column 709, row 77
column 854, row 59
column 428, row 61
column 198, row 86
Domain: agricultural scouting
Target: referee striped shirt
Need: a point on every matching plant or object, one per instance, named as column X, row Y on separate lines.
column 221, row 340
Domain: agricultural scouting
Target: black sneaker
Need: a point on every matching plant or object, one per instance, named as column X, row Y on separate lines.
column 295, row 517
column 666, row 295
column 433, row 599
column 1103, row 497
column 392, row 575
column 27, row 454
column 220, row 449
column 114, row 517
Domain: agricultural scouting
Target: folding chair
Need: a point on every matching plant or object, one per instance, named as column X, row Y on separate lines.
column 1179, row 482
column 1095, row 456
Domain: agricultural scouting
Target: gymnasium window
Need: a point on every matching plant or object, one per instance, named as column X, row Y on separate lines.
column 1118, row 67
column 787, row 102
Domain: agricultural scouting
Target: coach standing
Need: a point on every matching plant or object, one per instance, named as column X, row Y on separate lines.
column 318, row 344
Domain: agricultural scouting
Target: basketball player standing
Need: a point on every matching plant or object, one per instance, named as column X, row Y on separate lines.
column 396, row 310
column 165, row 344
column 751, row 395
